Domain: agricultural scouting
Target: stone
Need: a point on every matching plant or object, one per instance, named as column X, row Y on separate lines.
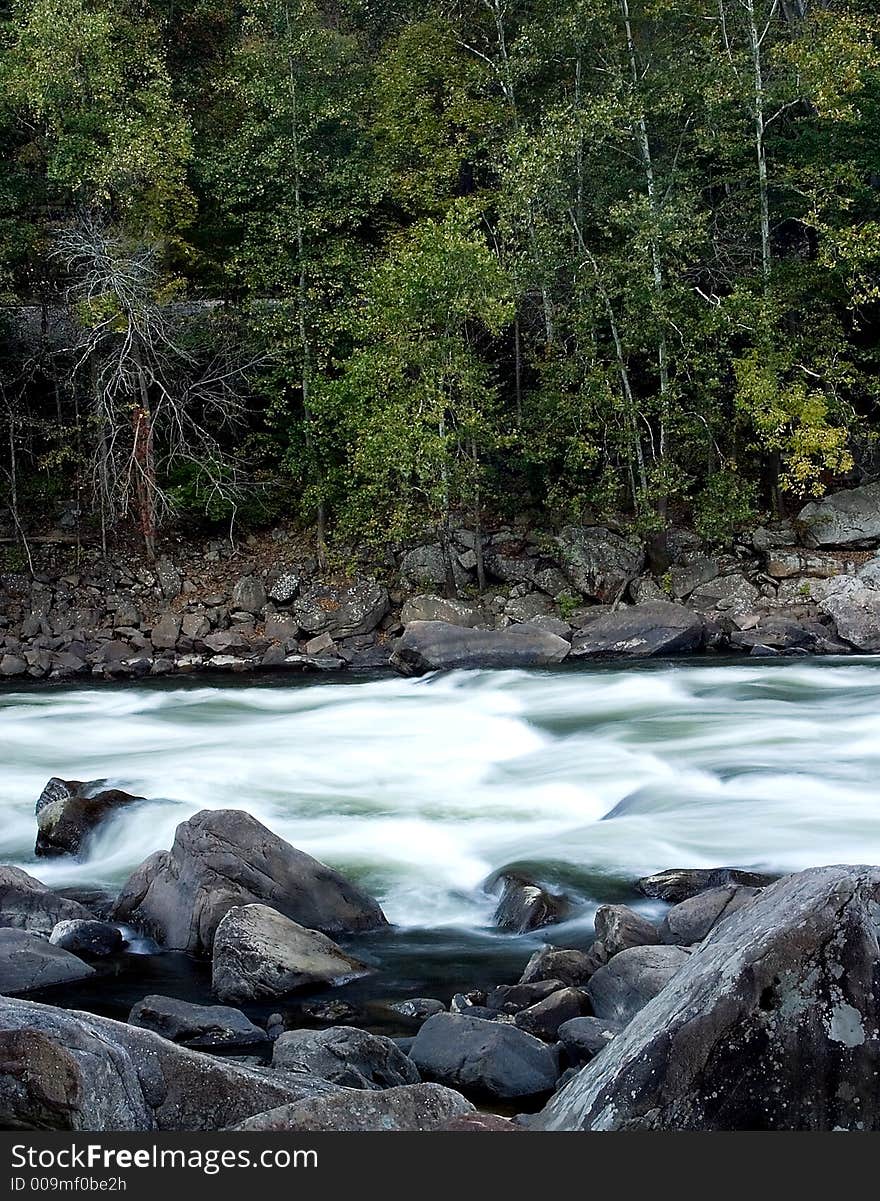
column 87, row 938
column 67, row 1070
column 544, row 1018
column 618, row 927
column 165, row 632
column 728, row 593
column 346, row 1056
column 622, row 987
column 195, row 626
column 413, row 1107
column 204, row 1027
column 423, row 566
column 510, row 569
column 525, row 905
column 225, row 642
column 259, row 953
column 480, row 1123
column 527, row 608
column 436, row 645
column 342, row 612
column 560, row 963
column 599, row 563
column 12, row 665
column 223, row 858
column 677, row 884
column 641, row 631
column 690, row 921
column 419, row 1009
column 69, row 811
column 491, row 1059
column 285, row 588
column 281, row 627
column 770, row 1025
column 583, row 1038
column 511, row 998
column 321, row 644
column 690, row 574
column 854, row 607
column 28, row 962
column 168, row 578
column 249, row 594
column 27, row 904
column 785, row 565
column 437, row 608
column 849, row 518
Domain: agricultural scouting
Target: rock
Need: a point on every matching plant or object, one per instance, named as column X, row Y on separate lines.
column 346, row 1056
column 690, row 921
column 423, row 567
column 728, row 593
column 631, row 979
column 225, row 642
column 786, row 565
column 775, row 633
column 690, row 574
column 437, row 608
column 12, row 665
column 618, row 927
column 67, row 1070
column 544, row 1018
column 557, row 963
column 553, row 625
column 849, row 518
column 510, row 569
column 418, row 1008
column 249, row 595
column 773, row 537
column 168, row 578
column 525, row 905
column 27, row 904
column 281, row 627
column 28, row 962
column 321, row 644
column 285, row 588
column 584, row 1037
column 436, row 645
column 224, row 857
column 68, row 811
column 487, row 1058
column 529, row 607
column 199, row 1026
column 165, row 632
column 87, row 938
column 342, row 612
column 854, row 608
column 677, row 884
column 641, row 631
column 511, row 998
column 417, row 1107
column 599, row 563
column 480, row 1123
column 768, row 1026
column 260, row 953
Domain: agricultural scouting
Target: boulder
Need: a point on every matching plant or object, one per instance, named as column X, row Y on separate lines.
column 424, row 567
column 67, row 1070
column 342, row 612
column 511, row 998
column 438, row 608
column 618, row 927
column 691, row 573
column 583, row 1038
column 437, row 645
column 640, row 632
column 599, row 563
column 631, row 979
column 12, row 665
column 850, row 518
column 854, row 607
column 346, row 1056
column 525, row 905
column 480, row 1123
column 223, row 858
column 28, row 962
column 560, row 963
column 690, row 921
column 260, row 953
column 69, row 810
column 416, row 1107
column 419, row 1009
column 205, row 1027
column 285, row 588
column 770, row 1024
column 487, row 1058
column 27, row 904
column 165, row 632
column 678, row 883
column 728, row 593
column 544, row 1018
column 87, row 938
column 249, row 595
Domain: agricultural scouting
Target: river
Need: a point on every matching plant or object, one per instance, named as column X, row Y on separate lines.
column 421, row 789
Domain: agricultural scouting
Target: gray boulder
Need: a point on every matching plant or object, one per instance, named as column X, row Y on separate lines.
column 342, row 612
column 560, row 963
column 690, row 921
column 259, row 953
column 69, row 810
column 87, row 938
column 544, row 1018
column 640, row 632
column 27, row 904
column 512, row 998
column 583, row 1038
column 205, row 1027
column 599, row 563
column 849, row 518
column 678, row 883
column 618, row 927
column 525, row 905
column 418, row 1009
column 436, row 645
column 249, row 595
column 631, row 979
column 223, row 858
column 438, row 608
column 728, row 593
column 28, row 963
column 487, row 1058
column 67, row 1070
column 769, row 1025
column 854, row 607
column 346, row 1056
column 414, row 1107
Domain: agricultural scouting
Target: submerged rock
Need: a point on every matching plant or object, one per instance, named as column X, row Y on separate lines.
column 678, row 883
column 205, row 1027
column 525, row 905
column 437, row 645
column 69, row 810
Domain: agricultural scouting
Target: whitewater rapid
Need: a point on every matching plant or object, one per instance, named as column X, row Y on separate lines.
column 422, row 788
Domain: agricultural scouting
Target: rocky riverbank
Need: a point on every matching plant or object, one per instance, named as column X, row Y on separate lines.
column 810, row 586
column 734, row 1001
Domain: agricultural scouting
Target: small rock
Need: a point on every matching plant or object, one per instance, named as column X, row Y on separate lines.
column 87, row 938
column 488, row 1058
column 199, row 1026
column 346, row 1056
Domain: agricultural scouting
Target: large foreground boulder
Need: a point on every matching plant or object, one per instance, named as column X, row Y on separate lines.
column 437, row 645
column 27, row 904
column 850, row 518
column 346, row 1056
column 416, row 1107
column 259, row 954
column 223, row 858
column 28, row 963
column 211, row 1027
column 770, row 1025
column 641, row 632
column 486, row 1058
column 67, row 1070
column 68, row 811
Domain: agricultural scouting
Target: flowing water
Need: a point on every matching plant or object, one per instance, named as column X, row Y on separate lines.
column 421, row 789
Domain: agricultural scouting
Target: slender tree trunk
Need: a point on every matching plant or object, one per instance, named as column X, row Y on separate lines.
column 517, row 358
column 144, row 457
column 759, row 119
column 478, row 520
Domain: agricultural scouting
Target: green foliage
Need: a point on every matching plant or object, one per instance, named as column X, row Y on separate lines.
column 727, row 504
